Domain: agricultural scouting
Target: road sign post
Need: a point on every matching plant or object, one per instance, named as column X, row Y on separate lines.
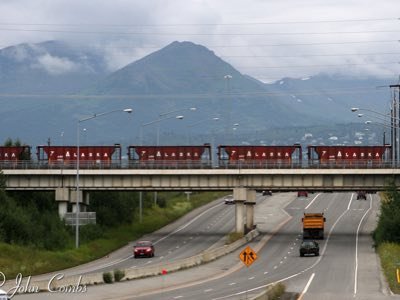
column 248, row 256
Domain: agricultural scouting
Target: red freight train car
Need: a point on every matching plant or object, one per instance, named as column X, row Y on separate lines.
column 170, row 156
column 260, row 156
column 349, row 156
column 14, row 156
column 90, row 156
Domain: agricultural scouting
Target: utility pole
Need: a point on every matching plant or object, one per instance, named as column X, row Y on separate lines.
column 395, row 122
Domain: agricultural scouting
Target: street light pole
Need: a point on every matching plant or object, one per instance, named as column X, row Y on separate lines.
column 128, row 110
column 393, row 127
column 179, row 117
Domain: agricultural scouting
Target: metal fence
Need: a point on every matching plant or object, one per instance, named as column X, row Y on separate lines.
column 179, row 164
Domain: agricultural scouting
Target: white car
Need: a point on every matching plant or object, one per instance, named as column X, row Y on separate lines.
column 229, row 199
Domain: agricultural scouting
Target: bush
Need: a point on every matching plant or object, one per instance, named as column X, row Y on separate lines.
column 388, row 228
column 118, row 275
column 276, row 292
column 107, row 277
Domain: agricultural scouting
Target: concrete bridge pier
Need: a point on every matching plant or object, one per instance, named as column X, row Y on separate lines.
column 83, row 201
column 62, row 197
column 244, row 196
column 250, row 210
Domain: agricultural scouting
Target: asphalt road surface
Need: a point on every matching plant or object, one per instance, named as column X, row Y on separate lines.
column 347, row 267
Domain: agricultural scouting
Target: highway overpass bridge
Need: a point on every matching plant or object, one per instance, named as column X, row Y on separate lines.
column 243, row 182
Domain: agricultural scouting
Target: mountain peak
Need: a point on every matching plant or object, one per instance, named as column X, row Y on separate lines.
column 178, row 68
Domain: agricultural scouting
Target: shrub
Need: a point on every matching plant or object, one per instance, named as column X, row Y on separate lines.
column 118, row 275
column 107, row 277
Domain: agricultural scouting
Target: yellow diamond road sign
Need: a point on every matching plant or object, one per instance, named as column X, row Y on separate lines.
column 248, row 256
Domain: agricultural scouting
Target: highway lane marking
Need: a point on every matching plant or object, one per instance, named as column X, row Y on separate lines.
column 265, row 273
column 208, row 290
column 357, row 234
column 161, row 239
column 188, row 223
column 306, row 287
column 351, row 199
column 178, row 297
column 293, row 275
column 312, row 201
column 251, row 278
column 232, row 283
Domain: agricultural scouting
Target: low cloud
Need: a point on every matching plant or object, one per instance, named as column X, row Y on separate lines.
column 56, row 65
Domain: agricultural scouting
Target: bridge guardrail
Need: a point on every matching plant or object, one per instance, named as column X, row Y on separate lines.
column 96, row 165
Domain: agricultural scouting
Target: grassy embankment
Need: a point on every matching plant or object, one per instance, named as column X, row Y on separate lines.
column 31, row 261
column 389, row 254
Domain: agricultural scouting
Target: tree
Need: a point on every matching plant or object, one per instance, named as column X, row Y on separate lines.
column 388, row 228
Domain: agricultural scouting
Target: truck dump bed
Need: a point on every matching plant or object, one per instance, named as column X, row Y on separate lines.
column 313, row 225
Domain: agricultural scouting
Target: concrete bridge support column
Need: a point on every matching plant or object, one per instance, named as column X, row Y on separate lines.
column 240, row 196
column 250, row 202
column 74, row 200
column 62, row 197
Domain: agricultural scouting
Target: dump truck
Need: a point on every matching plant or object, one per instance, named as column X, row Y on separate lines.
column 313, row 225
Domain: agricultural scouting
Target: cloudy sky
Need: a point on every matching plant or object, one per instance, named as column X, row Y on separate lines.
column 263, row 38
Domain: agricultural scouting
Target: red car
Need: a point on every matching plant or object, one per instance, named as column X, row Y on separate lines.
column 143, row 249
column 302, row 194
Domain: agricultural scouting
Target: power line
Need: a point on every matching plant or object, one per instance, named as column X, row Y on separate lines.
column 345, row 90
column 231, row 46
column 204, row 24
column 197, row 34
column 312, row 66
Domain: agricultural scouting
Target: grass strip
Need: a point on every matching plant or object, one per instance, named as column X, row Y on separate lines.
column 389, row 254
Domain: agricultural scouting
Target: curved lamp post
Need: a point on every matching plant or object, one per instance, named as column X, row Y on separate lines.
column 127, row 110
column 179, row 117
column 394, row 127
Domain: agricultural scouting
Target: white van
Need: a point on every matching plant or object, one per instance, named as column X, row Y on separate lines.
column 3, row 295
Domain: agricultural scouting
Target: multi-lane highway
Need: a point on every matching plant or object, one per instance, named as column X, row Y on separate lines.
column 347, row 267
column 344, row 269
column 195, row 232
